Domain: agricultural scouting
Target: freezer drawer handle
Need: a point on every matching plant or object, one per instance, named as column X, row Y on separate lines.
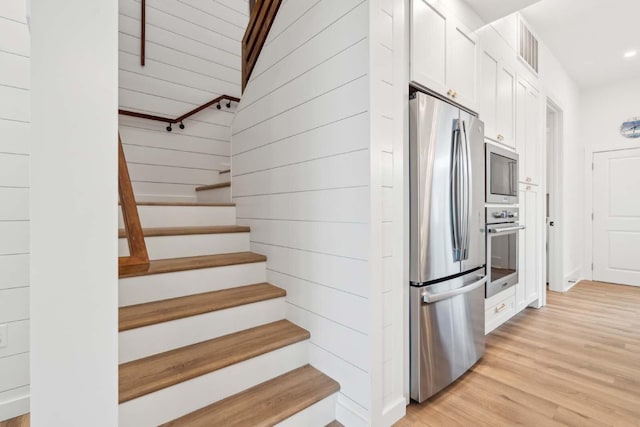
column 431, row 298
column 506, row 229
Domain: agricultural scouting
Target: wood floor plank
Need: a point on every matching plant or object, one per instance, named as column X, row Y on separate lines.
column 265, row 404
column 186, row 231
column 335, row 424
column 159, row 371
column 21, row 421
column 197, row 262
column 572, row 363
column 137, row 316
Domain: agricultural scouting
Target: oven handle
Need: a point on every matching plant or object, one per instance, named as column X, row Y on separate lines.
column 506, row 229
column 431, row 298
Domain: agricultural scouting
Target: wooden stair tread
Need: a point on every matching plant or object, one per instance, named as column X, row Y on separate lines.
column 153, row 373
column 184, row 204
column 137, row 316
column 334, row 423
column 185, row 231
column 265, row 404
column 214, row 186
column 197, row 262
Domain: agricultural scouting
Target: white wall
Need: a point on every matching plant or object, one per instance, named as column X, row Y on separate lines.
column 15, row 116
column 301, row 181
column 193, row 52
column 74, row 286
column 602, row 111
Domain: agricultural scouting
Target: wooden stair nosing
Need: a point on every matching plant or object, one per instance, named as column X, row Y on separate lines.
column 153, row 373
column 171, row 265
column 186, row 231
column 265, row 404
column 207, row 204
column 140, row 315
column 214, row 186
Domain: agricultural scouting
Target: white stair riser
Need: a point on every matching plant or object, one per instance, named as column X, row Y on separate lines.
column 183, row 216
column 216, row 195
column 146, row 341
column 317, row 415
column 155, row 287
column 162, row 247
column 178, row 400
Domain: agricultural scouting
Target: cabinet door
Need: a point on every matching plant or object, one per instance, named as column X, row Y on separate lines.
column 523, row 266
column 428, row 46
column 505, row 105
column 461, row 64
column 532, row 250
column 533, row 138
column 487, row 93
column 528, row 131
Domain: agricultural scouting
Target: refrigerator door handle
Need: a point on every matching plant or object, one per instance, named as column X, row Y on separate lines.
column 456, row 163
column 430, row 298
column 466, row 193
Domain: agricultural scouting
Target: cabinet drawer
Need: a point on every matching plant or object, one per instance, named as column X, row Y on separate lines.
column 499, row 309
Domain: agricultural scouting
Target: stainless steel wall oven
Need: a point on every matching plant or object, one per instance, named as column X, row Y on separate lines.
column 503, row 231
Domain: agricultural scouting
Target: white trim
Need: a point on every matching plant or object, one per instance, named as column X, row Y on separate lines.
column 573, row 278
column 349, row 414
column 394, row 412
column 14, row 407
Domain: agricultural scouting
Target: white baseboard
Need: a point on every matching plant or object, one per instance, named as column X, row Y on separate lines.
column 572, row 278
column 351, row 414
column 394, row 411
column 14, row 407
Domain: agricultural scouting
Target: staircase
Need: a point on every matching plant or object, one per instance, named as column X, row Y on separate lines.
column 203, row 339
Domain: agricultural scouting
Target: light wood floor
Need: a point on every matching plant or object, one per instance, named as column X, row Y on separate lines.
column 22, row 421
column 574, row 362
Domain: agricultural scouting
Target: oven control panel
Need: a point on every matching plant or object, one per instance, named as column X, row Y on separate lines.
column 499, row 215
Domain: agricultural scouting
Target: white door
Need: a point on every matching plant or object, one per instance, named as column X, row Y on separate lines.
column 616, row 217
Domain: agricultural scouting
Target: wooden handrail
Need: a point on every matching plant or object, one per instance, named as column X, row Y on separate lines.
column 262, row 17
column 138, row 259
column 181, row 118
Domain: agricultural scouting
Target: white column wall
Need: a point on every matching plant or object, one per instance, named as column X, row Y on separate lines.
column 74, row 346
column 15, row 115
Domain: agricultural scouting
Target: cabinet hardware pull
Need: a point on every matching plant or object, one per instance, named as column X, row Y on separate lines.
column 450, row 92
column 500, row 137
column 528, row 179
column 501, row 307
column 455, row 94
column 528, row 187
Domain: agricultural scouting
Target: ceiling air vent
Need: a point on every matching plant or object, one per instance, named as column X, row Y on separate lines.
column 528, row 46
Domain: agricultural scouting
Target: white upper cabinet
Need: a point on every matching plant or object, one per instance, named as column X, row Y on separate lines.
column 528, row 131
column 443, row 54
column 497, row 99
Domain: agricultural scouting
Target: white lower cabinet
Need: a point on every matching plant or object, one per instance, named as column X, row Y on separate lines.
column 499, row 308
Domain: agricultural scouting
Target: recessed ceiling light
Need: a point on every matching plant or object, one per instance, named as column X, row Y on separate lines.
column 631, row 54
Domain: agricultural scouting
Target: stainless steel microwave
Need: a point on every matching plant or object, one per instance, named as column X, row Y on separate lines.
column 502, row 175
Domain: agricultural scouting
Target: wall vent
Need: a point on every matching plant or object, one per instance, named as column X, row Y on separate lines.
column 528, row 46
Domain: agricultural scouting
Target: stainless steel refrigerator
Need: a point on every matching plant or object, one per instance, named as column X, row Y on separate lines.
column 447, row 243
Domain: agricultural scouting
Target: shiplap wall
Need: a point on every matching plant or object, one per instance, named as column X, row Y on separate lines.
column 300, row 165
column 14, row 207
column 193, row 52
